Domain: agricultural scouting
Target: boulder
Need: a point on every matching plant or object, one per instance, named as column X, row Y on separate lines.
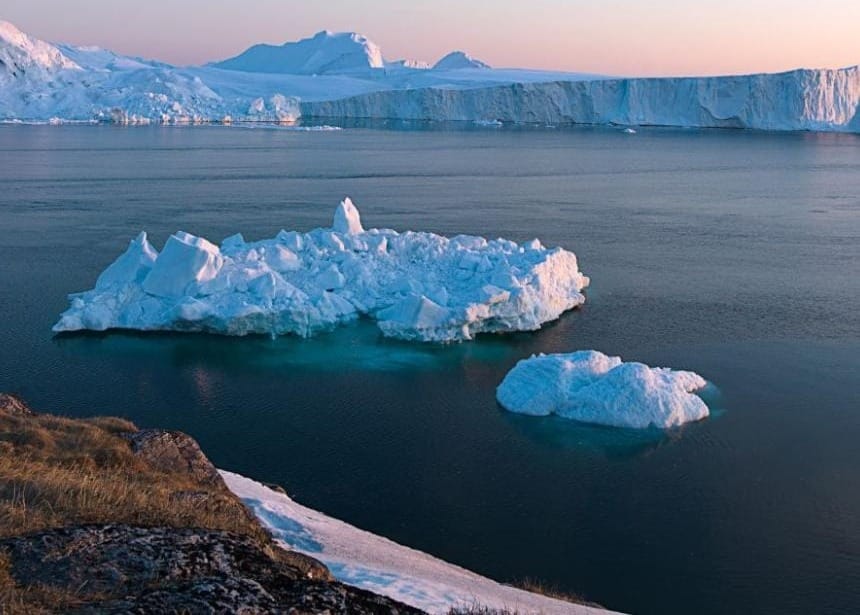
column 174, row 452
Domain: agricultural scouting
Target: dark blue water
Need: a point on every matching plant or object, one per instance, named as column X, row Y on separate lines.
column 735, row 254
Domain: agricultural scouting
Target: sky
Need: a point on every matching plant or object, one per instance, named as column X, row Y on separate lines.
column 611, row 37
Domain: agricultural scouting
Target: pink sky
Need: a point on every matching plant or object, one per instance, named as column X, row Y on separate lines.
column 633, row 37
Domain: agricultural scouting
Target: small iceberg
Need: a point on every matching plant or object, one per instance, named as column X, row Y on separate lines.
column 592, row 387
column 416, row 286
column 629, row 131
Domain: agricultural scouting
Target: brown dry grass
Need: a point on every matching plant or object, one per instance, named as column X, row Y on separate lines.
column 530, row 585
column 11, row 597
column 477, row 609
column 57, row 472
column 536, row 586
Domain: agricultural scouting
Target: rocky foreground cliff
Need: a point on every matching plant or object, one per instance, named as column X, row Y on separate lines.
column 97, row 516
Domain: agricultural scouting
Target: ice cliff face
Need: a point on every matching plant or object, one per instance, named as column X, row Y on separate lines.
column 797, row 100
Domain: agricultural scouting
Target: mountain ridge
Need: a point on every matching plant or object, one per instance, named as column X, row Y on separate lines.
column 344, row 76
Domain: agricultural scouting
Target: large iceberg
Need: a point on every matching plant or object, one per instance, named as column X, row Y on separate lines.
column 592, row 387
column 822, row 99
column 417, row 286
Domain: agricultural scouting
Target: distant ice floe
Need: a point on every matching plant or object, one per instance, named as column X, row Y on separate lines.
column 374, row 563
column 489, row 123
column 416, row 286
column 592, row 387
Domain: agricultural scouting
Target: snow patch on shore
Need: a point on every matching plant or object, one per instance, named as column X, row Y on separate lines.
column 374, row 563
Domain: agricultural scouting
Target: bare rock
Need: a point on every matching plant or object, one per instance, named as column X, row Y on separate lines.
column 13, row 405
column 174, row 452
column 125, row 569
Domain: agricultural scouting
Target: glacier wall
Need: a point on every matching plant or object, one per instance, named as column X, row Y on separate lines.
column 821, row 100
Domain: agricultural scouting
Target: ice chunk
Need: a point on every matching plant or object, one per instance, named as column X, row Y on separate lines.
column 592, row 387
column 331, row 278
column 132, row 266
column 291, row 239
column 346, row 218
column 414, row 313
column 418, row 286
column 185, row 262
column 281, row 258
column 233, row 241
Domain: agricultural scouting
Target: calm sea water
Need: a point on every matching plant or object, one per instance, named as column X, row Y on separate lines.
column 735, row 254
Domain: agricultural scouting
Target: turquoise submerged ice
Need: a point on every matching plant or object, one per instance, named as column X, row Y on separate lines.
column 416, row 286
column 592, row 387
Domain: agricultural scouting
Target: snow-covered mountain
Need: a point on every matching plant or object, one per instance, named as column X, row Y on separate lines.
column 457, row 60
column 20, row 54
column 325, row 52
column 96, row 58
column 344, row 76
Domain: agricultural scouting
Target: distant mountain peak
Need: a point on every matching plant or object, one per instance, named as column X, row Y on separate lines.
column 326, row 52
column 20, row 52
column 459, row 59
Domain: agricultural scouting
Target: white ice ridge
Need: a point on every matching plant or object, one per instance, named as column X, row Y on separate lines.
column 825, row 99
column 592, row 387
column 345, row 76
column 374, row 563
column 417, row 286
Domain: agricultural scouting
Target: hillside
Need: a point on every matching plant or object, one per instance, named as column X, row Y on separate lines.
column 97, row 516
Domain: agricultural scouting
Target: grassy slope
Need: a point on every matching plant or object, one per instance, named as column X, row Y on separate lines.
column 57, row 472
